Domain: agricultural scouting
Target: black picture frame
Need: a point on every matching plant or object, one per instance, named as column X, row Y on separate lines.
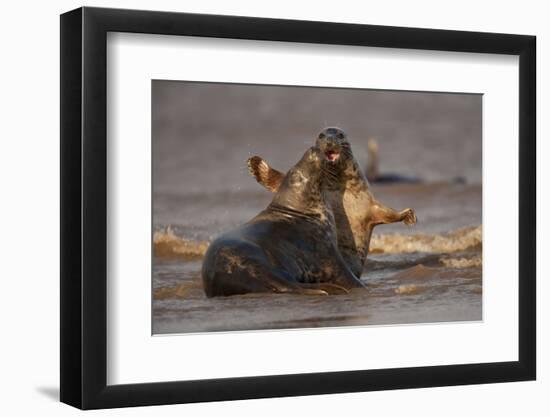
column 84, row 207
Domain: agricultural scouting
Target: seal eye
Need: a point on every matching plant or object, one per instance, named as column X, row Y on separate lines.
column 321, row 135
column 340, row 135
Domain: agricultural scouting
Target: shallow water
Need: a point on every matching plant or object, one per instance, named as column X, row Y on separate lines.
column 426, row 292
column 414, row 274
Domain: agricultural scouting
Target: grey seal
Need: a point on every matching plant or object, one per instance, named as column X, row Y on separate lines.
column 290, row 247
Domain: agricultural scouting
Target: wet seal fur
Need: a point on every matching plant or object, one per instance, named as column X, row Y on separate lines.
column 356, row 210
column 290, row 247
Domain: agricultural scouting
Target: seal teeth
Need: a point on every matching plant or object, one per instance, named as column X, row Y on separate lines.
column 332, row 155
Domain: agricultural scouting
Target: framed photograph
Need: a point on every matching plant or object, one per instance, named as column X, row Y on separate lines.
column 258, row 208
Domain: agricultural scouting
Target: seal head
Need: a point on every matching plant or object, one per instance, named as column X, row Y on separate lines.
column 300, row 190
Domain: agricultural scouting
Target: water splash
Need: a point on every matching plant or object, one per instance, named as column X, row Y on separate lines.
column 167, row 244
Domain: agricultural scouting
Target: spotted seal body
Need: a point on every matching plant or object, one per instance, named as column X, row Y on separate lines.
column 290, row 247
column 356, row 211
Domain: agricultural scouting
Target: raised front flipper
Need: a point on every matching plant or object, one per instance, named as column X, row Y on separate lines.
column 266, row 176
column 385, row 215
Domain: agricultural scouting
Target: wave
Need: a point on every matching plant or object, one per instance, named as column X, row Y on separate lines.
column 455, row 241
column 169, row 245
column 473, row 262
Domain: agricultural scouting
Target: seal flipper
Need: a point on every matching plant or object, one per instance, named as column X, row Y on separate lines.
column 338, row 276
column 385, row 215
column 266, row 176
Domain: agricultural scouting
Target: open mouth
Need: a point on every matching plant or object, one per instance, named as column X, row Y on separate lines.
column 332, row 155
